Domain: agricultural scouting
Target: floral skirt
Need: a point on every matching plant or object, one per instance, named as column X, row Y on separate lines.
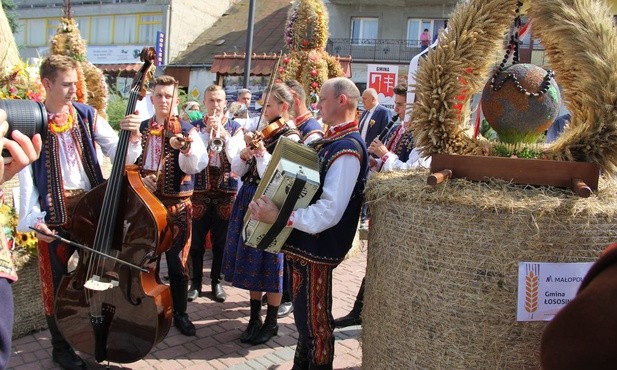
column 247, row 267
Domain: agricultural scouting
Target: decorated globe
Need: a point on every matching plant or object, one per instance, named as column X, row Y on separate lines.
column 521, row 102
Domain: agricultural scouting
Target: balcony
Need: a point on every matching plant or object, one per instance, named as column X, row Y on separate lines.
column 375, row 50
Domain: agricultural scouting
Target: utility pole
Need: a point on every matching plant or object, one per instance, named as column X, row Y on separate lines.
column 249, row 44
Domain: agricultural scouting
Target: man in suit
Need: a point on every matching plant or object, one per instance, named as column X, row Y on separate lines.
column 375, row 116
column 372, row 121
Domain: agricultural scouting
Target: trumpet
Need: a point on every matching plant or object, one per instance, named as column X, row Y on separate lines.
column 216, row 142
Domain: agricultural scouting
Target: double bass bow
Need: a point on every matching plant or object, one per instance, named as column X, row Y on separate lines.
column 114, row 306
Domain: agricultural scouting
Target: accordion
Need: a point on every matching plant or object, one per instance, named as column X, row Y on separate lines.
column 290, row 181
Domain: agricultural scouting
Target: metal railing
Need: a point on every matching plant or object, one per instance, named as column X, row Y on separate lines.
column 374, row 50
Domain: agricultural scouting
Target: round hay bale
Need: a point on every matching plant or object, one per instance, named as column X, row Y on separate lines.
column 442, row 267
column 29, row 316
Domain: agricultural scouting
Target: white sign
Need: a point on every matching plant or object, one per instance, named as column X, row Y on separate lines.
column 383, row 78
column 544, row 288
column 124, row 54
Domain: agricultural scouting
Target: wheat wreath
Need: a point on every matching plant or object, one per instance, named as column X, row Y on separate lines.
column 580, row 42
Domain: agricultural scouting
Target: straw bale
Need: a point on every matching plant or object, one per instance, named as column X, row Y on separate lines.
column 27, row 301
column 442, row 267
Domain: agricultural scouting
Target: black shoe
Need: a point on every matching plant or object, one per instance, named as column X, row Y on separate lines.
column 251, row 331
column 218, row 292
column 266, row 332
column 285, row 309
column 184, row 324
column 193, row 293
column 67, row 359
column 348, row 320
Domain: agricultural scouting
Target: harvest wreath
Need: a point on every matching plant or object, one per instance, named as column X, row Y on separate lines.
column 580, row 42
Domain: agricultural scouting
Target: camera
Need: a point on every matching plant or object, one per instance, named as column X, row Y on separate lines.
column 27, row 116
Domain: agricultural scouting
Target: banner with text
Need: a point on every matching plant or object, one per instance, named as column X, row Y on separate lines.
column 383, row 78
column 544, row 288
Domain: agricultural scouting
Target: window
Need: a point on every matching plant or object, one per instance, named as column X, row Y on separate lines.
column 148, row 26
column 96, row 30
column 83, row 23
column 33, row 37
column 363, row 29
column 20, row 35
column 415, row 27
column 125, row 29
column 100, row 30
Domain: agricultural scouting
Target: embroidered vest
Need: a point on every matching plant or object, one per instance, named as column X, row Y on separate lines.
column 308, row 127
column 401, row 146
column 176, row 183
column 214, row 178
column 330, row 246
column 47, row 172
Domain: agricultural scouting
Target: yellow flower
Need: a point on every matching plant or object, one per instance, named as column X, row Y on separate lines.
column 371, row 123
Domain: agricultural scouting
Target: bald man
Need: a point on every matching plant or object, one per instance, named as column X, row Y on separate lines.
column 323, row 232
column 374, row 118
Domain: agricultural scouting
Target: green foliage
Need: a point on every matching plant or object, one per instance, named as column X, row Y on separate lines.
column 9, row 6
column 116, row 109
column 519, row 150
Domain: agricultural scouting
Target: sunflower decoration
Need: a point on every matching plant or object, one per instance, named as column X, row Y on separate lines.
column 306, row 34
column 580, row 42
column 91, row 85
column 20, row 244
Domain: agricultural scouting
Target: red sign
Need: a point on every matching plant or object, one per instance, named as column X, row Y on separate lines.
column 383, row 82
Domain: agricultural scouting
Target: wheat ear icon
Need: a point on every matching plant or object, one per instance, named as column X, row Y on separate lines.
column 531, row 293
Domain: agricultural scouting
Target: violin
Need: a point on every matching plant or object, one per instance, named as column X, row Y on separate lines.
column 114, row 306
column 173, row 132
column 274, row 127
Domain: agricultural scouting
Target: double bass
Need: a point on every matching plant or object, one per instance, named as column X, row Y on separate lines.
column 114, row 306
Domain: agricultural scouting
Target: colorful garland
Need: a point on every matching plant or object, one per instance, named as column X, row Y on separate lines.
column 91, row 85
column 306, row 35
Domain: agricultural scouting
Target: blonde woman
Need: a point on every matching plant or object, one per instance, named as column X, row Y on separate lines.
column 247, row 267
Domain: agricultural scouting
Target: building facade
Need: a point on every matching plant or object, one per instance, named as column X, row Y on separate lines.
column 116, row 30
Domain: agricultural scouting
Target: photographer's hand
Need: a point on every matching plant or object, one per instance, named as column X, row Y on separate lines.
column 23, row 151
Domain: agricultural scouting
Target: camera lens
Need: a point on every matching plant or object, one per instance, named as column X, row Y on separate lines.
column 27, row 116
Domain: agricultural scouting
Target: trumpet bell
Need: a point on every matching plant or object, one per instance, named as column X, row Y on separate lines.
column 216, row 145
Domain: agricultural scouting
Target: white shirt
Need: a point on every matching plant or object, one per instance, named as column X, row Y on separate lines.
column 337, row 188
column 233, row 146
column 364, row 124
column 73, row 174
column 393, row 163
column 240, row 167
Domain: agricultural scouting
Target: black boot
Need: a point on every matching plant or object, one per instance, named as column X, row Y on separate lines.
column 270, row 327
column 254, row 322
column 196, row 263
column 354, row 317
column 218, row 292
column 286, row 306
column 194, row 291
column 179, row 294
column 62, row 353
